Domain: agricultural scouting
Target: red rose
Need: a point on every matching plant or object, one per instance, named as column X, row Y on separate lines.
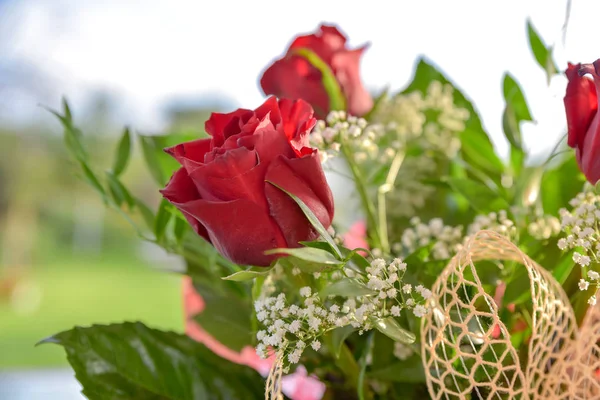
column 583, row 121
column 294, row 77
column 221, row 187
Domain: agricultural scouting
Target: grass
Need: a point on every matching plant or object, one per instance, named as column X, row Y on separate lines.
column 84, row 291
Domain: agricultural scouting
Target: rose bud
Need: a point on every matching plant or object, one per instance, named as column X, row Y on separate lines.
column 222, row 187
column 583, row 121
column 294, row 76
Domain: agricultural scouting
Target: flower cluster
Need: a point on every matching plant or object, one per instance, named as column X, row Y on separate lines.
column 448, row 240
column 432, row 120
column 364, row 139
column 290, row 328
column 581, row 227
column 411, row 194
column 497, row 222
column 544, row 227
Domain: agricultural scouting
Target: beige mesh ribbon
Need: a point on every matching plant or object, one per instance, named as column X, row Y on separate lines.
column 467, row 351
column 273, row 386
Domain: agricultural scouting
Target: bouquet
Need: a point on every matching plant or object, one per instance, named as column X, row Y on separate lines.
column 448, row 272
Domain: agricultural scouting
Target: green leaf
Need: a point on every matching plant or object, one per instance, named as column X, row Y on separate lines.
column 248, row 274
column 515, row 112
column 479, row 196
column 160, row 164
column 528, row 186
column 564, row 267
column 180, row 227
column 392, row 329
column 541, row 52
column 510, row 127
column 518, row 287
column 91, row 178
column 130, row 361
column 338, row 337
column 356, row 257
column 67, row 109
column 310, row 254
column 163, row 216
column 410, row 370
column 479, row 152
column 513, row 94
column 337, row 100
column 225, row 316
column 517, row 161
column 312, row 218
column 118, row 191
column 123, row 154
column 346, row 287
column 149, row 150
column 72, row 135
column 319, row 244
column 146, row 212
column 561, row 183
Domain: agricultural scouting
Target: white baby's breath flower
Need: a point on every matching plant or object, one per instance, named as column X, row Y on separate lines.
column 289, row 328
column 426, row 294
column 593, row 275
column 294, row 326
column 419, row 311
column 562, row 243
column 294, row 356
column 592, row 301
column 583, row 284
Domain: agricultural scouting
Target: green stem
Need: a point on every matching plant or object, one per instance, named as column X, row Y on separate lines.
column 361, row 187
column 362, row 386
column 348, row 365
column 381, row 206
column 553, row 153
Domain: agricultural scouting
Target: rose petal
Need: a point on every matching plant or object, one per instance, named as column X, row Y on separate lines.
column 240, row 230
column 588, row 154
column 269, row 144
column 301, row 177
column 194, row 150
column 269, row 108
column 346, row 65
column 236, row 174
column 297, row 122
column 181, row 189
column 324, row 43
column 581, row 104
column 220, row 126
column 294, row 77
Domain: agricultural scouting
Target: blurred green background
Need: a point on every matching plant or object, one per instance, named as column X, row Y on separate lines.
column 65, row 259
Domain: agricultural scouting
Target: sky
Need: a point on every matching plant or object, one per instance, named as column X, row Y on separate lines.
column 149, row 52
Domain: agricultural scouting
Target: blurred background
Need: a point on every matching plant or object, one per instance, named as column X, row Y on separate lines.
column 162, row 66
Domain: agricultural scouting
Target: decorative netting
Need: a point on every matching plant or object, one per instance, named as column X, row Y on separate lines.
column 467, row 351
